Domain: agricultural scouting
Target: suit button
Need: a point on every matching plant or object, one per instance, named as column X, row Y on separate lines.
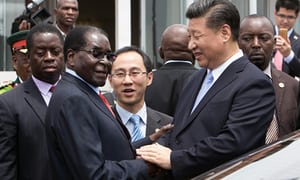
column 177, row 141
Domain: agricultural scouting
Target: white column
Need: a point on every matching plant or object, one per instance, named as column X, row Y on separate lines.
column 143, row 24
column 123, row 23
column 252, row 6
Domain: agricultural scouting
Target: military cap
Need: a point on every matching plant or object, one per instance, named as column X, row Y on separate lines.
column 18, row 39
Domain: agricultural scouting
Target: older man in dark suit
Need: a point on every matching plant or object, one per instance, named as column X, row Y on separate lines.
column 131, row 74
column 168, row 81
column 23, row 147
column 257, row 41
column 85, row 141
column 225, row 109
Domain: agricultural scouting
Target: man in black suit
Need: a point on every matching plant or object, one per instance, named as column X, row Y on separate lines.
column 131, row 74
column 225, row 108
column 162, row 95
column 23, row 147
column 85, row 141
column 286, row 15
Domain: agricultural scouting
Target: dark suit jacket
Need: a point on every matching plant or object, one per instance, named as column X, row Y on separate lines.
column 23, row 148
column 293, row 68
column 85, row 140
column 286, row 91
column 162, row 95
column 231, row 119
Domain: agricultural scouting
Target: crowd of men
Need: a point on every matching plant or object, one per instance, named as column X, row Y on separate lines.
column 173, row 123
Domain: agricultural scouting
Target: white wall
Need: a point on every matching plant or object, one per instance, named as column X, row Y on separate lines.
column 7, row 76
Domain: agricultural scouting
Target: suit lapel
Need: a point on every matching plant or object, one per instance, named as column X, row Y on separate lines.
column 279, row 85
column 226, row 78
column 93, row 96
column 153, row 121
column 35, row 100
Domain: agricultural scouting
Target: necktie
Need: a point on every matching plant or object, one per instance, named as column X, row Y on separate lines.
column 272, row 132
column 278, row 60
column 52, row 89
column 137, row 132
column 207, row 83
column 106, row 104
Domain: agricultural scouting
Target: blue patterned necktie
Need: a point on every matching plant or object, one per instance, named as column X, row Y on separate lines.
column 137, row 132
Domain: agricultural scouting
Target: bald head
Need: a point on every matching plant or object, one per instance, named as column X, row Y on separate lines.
column 174, row 43
column 256, row 39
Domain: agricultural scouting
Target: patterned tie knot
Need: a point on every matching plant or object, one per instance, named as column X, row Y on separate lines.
column 135, row 119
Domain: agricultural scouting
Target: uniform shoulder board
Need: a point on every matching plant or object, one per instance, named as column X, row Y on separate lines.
column 6, row 86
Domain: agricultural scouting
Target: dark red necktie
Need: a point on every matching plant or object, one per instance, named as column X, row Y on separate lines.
column 106, row 103
column 52, row 89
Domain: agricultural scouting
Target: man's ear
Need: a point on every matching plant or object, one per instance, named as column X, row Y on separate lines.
column 150, row 78
column 14, row 61
column 161, row 53
column 70, row 61
column 225, row 32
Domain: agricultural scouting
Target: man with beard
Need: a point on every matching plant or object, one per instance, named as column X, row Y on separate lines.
column 257, row 41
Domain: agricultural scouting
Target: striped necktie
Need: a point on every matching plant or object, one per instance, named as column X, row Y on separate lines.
column 137, row 132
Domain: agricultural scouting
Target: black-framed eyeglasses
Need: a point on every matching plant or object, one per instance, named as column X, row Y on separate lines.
column 282, row 16
column 100, row 54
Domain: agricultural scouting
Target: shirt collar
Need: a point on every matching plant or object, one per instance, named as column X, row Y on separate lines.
column 220, row 69
column 125, row 115
column 72, row 72
column 176, row 61
column 43, row 86
column 267, row 71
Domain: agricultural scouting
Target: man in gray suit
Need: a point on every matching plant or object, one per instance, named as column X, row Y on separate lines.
column 130, row 75
column 23, row 147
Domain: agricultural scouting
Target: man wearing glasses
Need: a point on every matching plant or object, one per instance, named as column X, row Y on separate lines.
column 287, row 54
column 131, row 74
column 20, row 60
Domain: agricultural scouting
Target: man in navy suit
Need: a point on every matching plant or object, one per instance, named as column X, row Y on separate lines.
column 23, row 147
column 85, row 141
column 131, row 74
column 233, row 114
column 286, row 15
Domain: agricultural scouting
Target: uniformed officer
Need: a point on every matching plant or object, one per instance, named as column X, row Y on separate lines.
column 20, row 60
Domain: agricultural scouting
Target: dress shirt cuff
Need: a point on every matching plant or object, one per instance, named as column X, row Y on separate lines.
column 290, row 57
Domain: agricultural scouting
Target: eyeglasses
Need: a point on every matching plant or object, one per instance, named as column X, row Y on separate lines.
column 289, row 18
column 132, row 75
column 100, row 55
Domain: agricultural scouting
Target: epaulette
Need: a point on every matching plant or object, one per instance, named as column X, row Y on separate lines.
column 6, row 86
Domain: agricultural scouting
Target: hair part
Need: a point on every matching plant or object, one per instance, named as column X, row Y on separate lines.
column 146, row 59
column 217, row 13
column 288, row 4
